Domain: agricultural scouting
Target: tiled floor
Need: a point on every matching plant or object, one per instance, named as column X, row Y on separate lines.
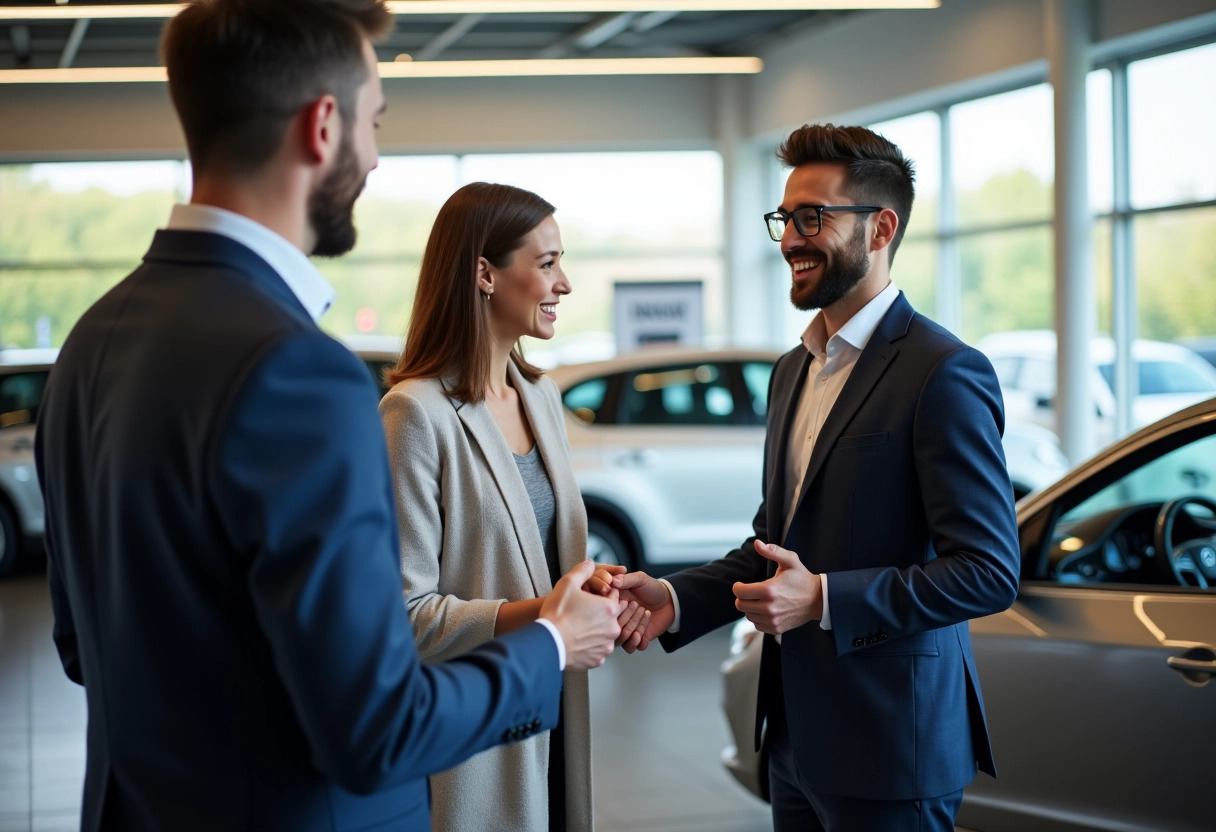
column 658, row 733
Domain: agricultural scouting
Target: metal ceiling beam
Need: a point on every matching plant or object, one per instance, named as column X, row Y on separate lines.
column 596, row 33
column 448, row 37
column 652, row 20
column 79, row 28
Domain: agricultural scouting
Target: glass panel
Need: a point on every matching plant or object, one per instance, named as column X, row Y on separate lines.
column 41, row 306
column 1101, row 141
column 395, row 213
column 373, row 298
column 915, row 272
column 20, row 396
column 586, row 398
column 755, row 376
column 1175, row 270
column 919, row 136
column 691, row 394
column 1003, row 158
column 1007, row 282
column 1173, row 127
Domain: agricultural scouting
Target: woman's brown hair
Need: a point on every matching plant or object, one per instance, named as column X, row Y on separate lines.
column 449, row 331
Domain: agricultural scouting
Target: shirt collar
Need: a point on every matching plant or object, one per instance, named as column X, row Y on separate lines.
column 297, row 271
column 856, row 331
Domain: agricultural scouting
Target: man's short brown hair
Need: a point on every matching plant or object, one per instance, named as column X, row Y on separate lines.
column 876, row 172
column 240, row 70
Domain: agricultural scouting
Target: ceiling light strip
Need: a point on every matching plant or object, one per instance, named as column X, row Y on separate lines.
column 429, row 69
column 450, row 7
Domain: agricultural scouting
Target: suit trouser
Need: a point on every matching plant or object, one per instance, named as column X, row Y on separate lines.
column 798, row 808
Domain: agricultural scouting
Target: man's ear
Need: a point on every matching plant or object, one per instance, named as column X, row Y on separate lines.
column 485, row 278
column 322, row 127
column 886, row 223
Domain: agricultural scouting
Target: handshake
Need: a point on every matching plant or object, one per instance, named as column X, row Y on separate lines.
column 597, row 607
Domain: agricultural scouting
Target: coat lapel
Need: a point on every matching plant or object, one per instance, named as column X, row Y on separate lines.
column 484, row 431
column 871, row 364
column 570, row 516
column 787, row 389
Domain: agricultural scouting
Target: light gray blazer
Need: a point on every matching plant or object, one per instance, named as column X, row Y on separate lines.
column 469, row 541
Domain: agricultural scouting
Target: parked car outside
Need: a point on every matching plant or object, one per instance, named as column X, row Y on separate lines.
column 22, row 518
column 1203, row 346
column 1098, row 680
column 1169, row 378
column 666, row 445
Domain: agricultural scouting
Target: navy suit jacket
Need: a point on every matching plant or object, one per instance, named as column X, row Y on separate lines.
column 223, row 564
column 908, row 507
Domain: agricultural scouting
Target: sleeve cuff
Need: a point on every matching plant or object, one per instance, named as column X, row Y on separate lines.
column 825, row 623
column 675, row 603
column 557, row 637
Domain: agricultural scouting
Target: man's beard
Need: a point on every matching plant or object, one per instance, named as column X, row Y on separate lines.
column 847, row 267
column 331, row 206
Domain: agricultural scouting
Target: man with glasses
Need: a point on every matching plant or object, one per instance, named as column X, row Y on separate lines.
column 886, row 487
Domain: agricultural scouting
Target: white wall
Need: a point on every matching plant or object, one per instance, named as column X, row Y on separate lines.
column 114, row 121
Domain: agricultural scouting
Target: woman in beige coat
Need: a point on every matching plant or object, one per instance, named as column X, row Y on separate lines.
column 489, row 511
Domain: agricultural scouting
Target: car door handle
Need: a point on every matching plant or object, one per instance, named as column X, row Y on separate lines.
column 1198, row 664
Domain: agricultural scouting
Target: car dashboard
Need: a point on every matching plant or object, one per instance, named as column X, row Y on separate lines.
column 1114, row 546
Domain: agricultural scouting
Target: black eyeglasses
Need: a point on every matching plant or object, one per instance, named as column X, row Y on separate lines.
column 808, row 220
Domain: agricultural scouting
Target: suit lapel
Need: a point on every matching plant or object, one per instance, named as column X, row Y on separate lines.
column 871, row 364
column 484, row 430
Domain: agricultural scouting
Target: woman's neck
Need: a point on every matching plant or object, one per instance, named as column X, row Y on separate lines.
column 499, row 381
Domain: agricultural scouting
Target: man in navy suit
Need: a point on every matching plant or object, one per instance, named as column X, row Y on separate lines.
column 886, row 486
column 222, row 542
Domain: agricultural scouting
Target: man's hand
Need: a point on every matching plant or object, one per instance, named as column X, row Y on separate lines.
column 787, row 600
column 653, row 597
column 587, row 622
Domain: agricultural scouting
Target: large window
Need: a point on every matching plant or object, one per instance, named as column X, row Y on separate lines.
column 631, row 216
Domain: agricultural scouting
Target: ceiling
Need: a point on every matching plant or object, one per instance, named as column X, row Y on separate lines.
column 42, row 44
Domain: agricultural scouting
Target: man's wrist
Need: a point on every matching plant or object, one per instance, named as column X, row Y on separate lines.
column 675, row 605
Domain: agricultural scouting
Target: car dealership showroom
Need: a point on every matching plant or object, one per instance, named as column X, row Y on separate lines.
column 1063, row 226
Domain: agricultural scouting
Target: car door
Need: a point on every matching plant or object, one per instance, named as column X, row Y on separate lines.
column 690, row 439
column 1098, row 682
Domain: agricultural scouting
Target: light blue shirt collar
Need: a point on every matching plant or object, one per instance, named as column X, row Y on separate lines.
column 857, row 331
column 297, row 271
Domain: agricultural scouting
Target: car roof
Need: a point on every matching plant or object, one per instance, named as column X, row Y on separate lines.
column 651, row 356
column 35, row 357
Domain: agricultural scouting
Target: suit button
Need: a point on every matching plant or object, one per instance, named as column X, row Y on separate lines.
column 859, row 642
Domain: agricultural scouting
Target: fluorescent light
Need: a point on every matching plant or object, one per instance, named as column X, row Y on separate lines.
column 449, row 7
column 572, row 66
column 428, row 69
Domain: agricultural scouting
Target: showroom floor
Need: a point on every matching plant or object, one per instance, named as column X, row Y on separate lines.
column 658, row 732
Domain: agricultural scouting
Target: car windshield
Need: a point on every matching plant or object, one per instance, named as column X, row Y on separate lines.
column 1164, row 377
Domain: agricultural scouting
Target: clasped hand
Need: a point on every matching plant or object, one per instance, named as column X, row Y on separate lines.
column 790, row 598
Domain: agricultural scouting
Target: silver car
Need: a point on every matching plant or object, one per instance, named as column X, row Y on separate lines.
column 1097, row 682
column 666, row 445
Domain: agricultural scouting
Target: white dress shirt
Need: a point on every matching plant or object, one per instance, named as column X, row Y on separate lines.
column 297, row 271
column 832, row 362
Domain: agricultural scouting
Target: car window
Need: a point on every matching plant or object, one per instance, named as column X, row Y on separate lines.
column 1164, row 377
column 1109, row 537
column 20, row 396
column 586, row 399
column 689, row 394
column 755, row 377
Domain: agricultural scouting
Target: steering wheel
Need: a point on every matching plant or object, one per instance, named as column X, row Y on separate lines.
column 1195, row 559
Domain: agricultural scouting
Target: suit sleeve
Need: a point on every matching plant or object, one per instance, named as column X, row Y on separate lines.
column 968, row 506
column 300, row 484
column 444, row 624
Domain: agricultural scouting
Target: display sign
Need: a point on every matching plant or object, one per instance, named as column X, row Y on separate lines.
column 657, row 313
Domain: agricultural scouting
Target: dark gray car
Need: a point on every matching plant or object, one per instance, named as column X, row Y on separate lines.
column 1098, row 680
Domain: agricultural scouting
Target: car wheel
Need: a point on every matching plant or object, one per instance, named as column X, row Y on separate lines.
column 10, row 541
column 605, row 544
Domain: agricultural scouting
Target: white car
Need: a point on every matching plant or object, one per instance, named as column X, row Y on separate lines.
column 1169, row 377
column 667, row 450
